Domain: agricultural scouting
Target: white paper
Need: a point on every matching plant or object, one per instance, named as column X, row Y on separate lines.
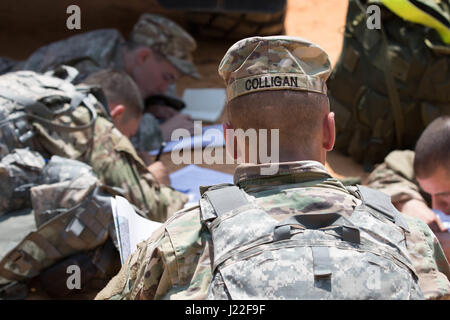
column 189, row 179
column 131, row 228
column 204, row 104
column 445, row 219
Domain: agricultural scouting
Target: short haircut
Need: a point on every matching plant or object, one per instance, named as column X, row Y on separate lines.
column 433, row 148
column 297, row 114
column 130, row 46
column 118, row 88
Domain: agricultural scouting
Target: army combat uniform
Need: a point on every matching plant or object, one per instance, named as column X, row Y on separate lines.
column 116, row 163
column 67, row 214
column 395, row 177
column 175, row 262
column 103, row 49
column 185, row 258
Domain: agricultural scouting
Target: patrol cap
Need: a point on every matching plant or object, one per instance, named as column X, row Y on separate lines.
column 168, row 39
column 274, row 63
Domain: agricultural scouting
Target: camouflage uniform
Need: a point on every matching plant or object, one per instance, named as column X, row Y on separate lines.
column 176, row 262
column 102, row 49
column 106, row 150
column 88, row 52
column 116, row 163
column 395, row 177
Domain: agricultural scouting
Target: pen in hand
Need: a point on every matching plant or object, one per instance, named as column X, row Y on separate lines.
column 161, row 148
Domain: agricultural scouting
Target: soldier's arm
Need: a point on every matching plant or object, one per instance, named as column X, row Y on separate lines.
column 141, row 276
column 115, row 161
column 157, row 201
column 395, row 177
column 174, row 263
column 428, row 259
column 399, row 187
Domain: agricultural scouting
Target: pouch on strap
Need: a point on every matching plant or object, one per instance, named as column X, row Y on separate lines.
column 381, row 202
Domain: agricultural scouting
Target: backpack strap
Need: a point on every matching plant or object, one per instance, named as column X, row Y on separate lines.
column 393, row 95
column 40, row 113
column 223, row 198
column 381, row 202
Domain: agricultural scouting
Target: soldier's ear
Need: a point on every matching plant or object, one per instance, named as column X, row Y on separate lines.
column 143, row 54
column 116, row 110
column 329, row 132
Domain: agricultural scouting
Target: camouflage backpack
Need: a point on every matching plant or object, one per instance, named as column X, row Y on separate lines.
column 47, row 114
column 70, row 213
column 307, row 256
column 389, row 83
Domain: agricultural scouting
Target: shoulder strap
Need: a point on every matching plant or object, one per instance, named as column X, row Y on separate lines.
column 39, row 112
column 381, row 202
column 225, row 199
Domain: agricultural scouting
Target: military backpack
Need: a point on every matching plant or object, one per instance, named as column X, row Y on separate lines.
column 307, row 256
column 47, row 114
column 68, row 213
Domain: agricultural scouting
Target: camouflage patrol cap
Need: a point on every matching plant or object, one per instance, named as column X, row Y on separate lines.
column 274, row 63
column 168, row 39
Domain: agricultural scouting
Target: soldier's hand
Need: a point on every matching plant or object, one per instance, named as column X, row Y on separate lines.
column 159, row 172
column 419, row 209
column 162, row 112
column 179, row 121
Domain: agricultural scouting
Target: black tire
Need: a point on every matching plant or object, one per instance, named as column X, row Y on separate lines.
column 236, row 25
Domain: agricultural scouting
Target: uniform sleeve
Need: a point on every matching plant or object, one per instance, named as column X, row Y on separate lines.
column 428, row 259
column 395, row 177
column 174, row 264
column 115, row 161
column 143, row 275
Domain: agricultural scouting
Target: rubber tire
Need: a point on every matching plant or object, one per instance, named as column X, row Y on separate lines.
column 236, row 25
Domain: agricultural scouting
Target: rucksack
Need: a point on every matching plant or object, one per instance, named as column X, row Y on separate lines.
column 388, row 83
column 70, row 213
column 47, row 114
column 19, row 171
column 307, row 256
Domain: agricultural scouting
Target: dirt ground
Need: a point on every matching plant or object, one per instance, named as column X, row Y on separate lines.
column 319, row 21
